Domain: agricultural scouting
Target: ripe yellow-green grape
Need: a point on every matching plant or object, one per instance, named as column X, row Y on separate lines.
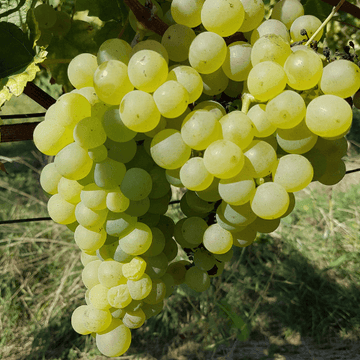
column 109, row 173
column 110, row 273
column 93, row 197
column 217, row 240
column 89, row 133
column 153, row 45
column 158, row 292
column 262, row 126
column 115, row 340
column 119, row 296
column 118, row 224
column 88, row 257
column 60, row 210
column 287, row 11
column 187, row 12
column 49, row 179
column 88, row 240
column 137, row 241
column 213, row 107
column 270, row 201
column 140, row 289
column 114, row 49
column 134, row 269
column 244, row 236
column 308, row 22
column 237, row 216
column 134, row 319
column 70, row 190
column 271, row 26
column 89, row 274
column 76, row 320
column 98, row 297
column 194, row 175
column 88, row 218
column 81, row 70
column 96, row 320
column 254, row 15
column 214, row 83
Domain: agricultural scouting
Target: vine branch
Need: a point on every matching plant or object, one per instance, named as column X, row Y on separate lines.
column 346, row 7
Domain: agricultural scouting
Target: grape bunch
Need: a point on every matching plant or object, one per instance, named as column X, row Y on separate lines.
column 51, row 23
column 144, row 120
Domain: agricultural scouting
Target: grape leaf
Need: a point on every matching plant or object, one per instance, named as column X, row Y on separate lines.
column 15, row 11
column 105, row 10
column 317, row 8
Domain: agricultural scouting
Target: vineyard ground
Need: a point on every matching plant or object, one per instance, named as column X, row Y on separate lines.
column 298, row 287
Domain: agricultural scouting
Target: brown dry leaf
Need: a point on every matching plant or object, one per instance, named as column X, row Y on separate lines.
column 2, row 167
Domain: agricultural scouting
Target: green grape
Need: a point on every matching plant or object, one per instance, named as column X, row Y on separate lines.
column 89, row 93
column 254, row 14
column 49, row 178
column 197, row 204
column 171, row 98
column 214, row 83
column 88, row 218
column 168, row 149
column 156, row 265
column 203, row 259
column 303, row 69
column 51, row 137
column 170, row 249
column 98, row 154
column 60, row 210
column 114, row 49
column 117, row 313
column 110, row 273
column 121, row 151
column 328, row 116
column 134, row 269
column 287, row 11
column 157, row 244
column 223, row 159
column 139, row 207
column 270, row 47
column 178, row 235
column 86, row 258
column 45, row 38
column 176, row 40
column 160, row 205
column 151, row 45
column 286, row 110
column 89, row 133
column 194, row 176
column 77, row 320
column 188, row 211
column 62, row 25
column 72, row 226
column 111, row 82
column 293, row 172
column 71, row 108
column 137, row 241
column 332, row 148
column 134, row 319
column 240, row 215
column 262, row 157
column 266, row 80
column 141, row 119
column 118, row 224
column 73, row 162
column 109, row 173
column 239, row 189
column 137, row 184
column 211, row 194
column 160, row 126
column 334, row 173
column 173, row 177
column 217, row 240
column 140, row 289
column 187, row 12
column 119, row 296
column 356, row 99
column 147, row 70
column 114, row 127
column 141, row 160
column 150, row 219
column 270, row 26
column 237, row 64
column 193, row 230
column 197, row 279
column 88, row 240
column 265, row 226
column 340, row 78
column 157, row 293
column 270, row 200
column 189, row 78
column 238, row 128
column 291, row 205
column 93, row 197
column 207, row 52
column 317, row 160
column 107, row 251
column 89, row 274
column 96, row 320
column 308, row 22
column 234, row 89
column 98, row 297
column 213, row 107
column 115, row 340
column 226, row 257
column 160, row 185
column 167, row 225
column 81, row 70
column 200, row 128
column 152, row 310
column 169, row 283
column 222, row 17
column 297, row 140
column 178, row 270
column 244, row 237
column 45, row 15
column 262, row 126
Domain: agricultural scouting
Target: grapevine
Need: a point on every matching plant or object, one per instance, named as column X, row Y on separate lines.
column 148, row 111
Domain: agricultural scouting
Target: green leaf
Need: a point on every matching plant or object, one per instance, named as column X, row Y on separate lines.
column 105, row 10
column 80, row 39
column 317, row 8
column 15, row 51
column 14, row 11
column 237, row 321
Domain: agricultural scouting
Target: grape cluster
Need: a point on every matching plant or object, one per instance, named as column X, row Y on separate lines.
column 142, row 121
column 51, row 23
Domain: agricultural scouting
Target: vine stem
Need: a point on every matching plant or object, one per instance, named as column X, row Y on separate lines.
column 247, row 99
column 347, row 7
column 321, row 27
